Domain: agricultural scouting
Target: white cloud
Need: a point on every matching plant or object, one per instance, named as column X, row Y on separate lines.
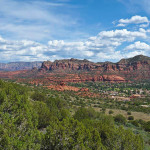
column 37, row 20
column 144, row 25
column 138, row 46
column 109, row 56
column 121, row 25
column 56, row 43
column 134, row 20
column 107, row 45
column 88, row 53
column 122, row 35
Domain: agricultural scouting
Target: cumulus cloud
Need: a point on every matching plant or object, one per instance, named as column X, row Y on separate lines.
column 104, row 46
column 116, row 55
column 138, row 46
column 122, row 35
column 134, row 20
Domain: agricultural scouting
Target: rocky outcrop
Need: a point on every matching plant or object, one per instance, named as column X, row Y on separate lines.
column 73, row 64
column 68, row 64
column 74, row 70
column 137, row 67
column 84, row 90
column 45, row 65
column 113, row 78
column 62, row 88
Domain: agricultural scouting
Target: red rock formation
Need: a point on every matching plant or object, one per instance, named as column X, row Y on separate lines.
column 84, row 90
column 113, row 78
column 62, row 88
column 73, row 70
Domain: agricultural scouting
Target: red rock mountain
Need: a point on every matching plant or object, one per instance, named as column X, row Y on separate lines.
column 74, row 70
column 137, row 67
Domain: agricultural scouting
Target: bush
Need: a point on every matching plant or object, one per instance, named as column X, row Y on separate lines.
column 135, row 123
column 147, row 126
column 111, row 112
column 120, row 119
column 37, row 96
column 128, row 113
column 44, row 114
column 2, row 96
column 130, row 118
column 142, row 122
column 103, row 110
column 64, row 114
column 71, row 134
column 85, row 113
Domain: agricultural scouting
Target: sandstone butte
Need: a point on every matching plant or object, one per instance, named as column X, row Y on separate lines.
column 57, row 74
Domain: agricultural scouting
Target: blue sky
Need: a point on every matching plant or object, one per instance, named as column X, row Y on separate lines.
column 97, row 30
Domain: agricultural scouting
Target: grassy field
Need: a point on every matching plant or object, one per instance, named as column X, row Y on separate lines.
column 137, row 115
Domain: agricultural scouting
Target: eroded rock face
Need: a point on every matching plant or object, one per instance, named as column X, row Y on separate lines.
column 73, row 70
column 113, row 78
column 46, row 65
column 134, row 63
column 137, row 67
column 68, row 64
column 63, row 88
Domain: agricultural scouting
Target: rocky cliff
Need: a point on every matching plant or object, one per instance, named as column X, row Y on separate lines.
column 74, row 70
column 137, row 67
column 68, row 64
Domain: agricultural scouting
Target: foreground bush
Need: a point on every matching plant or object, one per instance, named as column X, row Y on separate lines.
column 89, row 135
column 46, row 124
column 18, row 120
column 120, row 119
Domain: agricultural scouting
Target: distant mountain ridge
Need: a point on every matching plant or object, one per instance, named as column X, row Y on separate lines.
column 76, row 64
column 15, row 66
column 138, row 58
column 73, row 70
column 137, row 67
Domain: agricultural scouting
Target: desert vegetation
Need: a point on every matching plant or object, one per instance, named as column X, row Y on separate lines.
column 39, row 118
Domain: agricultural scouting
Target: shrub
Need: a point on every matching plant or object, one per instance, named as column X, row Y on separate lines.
column 43, row 113
column 128, row 113
column 130, row 118
column 111, row 112
column 120, row 119
column 85, row 113
column 142, row 122
column 103, row 110
column 71, row 134
column 147, row 126
column 37, row 96
column 135, row 123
